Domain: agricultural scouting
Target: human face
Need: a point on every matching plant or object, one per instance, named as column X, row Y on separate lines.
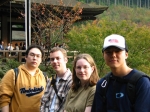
column 58, row 61
column 115, row 57
column 83, row 70
column 34, row 58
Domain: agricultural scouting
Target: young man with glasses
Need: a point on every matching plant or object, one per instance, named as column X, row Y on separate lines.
column 23, row 93
column 57, row 88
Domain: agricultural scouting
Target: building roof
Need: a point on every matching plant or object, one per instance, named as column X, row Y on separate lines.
column 88, row 12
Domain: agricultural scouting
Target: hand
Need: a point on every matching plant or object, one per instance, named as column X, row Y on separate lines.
column 5, row 108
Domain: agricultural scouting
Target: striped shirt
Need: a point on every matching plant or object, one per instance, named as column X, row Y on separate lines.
column 63, row 87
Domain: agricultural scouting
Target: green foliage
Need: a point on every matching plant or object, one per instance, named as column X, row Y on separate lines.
column 127, row 3
column 7, row 64
column 89, row 38
column 132, row 23
column 47, row 68
column 119, row 13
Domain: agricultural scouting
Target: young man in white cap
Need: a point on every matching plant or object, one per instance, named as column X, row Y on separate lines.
column 123, row 89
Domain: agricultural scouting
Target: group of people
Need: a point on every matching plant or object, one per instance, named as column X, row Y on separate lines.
column 79, row 90
column 9, row 46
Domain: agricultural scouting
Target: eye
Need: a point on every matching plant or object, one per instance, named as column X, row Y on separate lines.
column 108, row 52
column 33, row 55
column 84, row 67
column 51, row 59
column 78, row 67
column 38, row 56
column 58, row 58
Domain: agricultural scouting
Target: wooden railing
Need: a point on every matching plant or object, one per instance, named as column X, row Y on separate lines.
column 20, row 54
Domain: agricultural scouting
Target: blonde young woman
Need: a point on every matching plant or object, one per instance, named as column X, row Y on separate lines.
column 85, row 77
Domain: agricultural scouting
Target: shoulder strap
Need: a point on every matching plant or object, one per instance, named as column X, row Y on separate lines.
column 16, row 70
column 104, row 86
column 131, row 85
column 53, row 84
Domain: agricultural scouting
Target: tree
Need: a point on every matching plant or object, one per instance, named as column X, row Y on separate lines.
column 89, row 39
column 51, row 22
column 147, row 4
column 128, row 3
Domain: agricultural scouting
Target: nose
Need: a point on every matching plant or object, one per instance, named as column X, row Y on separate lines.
column 34, row 57
column 81, row 69
column 113, row 53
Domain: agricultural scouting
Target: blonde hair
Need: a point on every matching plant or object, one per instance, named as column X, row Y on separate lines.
column 64, row 52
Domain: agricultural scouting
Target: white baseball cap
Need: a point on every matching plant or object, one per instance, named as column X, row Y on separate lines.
column 116, row 41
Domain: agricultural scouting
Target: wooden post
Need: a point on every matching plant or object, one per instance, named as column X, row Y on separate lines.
column 19, row 56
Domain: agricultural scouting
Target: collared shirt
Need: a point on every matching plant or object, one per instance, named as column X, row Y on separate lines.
column 63, row 87
column 52, row 106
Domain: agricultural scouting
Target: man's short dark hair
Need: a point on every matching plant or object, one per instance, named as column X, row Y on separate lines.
column 34, row 46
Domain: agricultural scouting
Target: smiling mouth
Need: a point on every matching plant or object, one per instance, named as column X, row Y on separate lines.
column 82, row 74
column 55, row 66
column 113, row 60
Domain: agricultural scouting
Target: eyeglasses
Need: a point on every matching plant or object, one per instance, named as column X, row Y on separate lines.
column 35, row 55
column 84, row 67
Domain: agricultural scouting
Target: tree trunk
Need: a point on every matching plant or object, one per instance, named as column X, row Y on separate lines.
column 148, row 4
column 115, row 2
column 137, row 3
column 140, row 3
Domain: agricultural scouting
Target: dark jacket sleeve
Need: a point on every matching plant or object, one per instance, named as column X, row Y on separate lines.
column 98, row 101
column 142, row 103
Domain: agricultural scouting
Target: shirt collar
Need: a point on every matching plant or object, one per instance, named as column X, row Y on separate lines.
column 66, row 75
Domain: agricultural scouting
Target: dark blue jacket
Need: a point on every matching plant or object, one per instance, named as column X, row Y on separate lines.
column 116, row 96
column 1, row 47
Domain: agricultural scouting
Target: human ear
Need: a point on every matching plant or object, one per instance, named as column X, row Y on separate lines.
column 93, row 68
column 126, row 54
column 66, row 60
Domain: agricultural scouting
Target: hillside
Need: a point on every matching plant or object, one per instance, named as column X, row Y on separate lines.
column 119, row 13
